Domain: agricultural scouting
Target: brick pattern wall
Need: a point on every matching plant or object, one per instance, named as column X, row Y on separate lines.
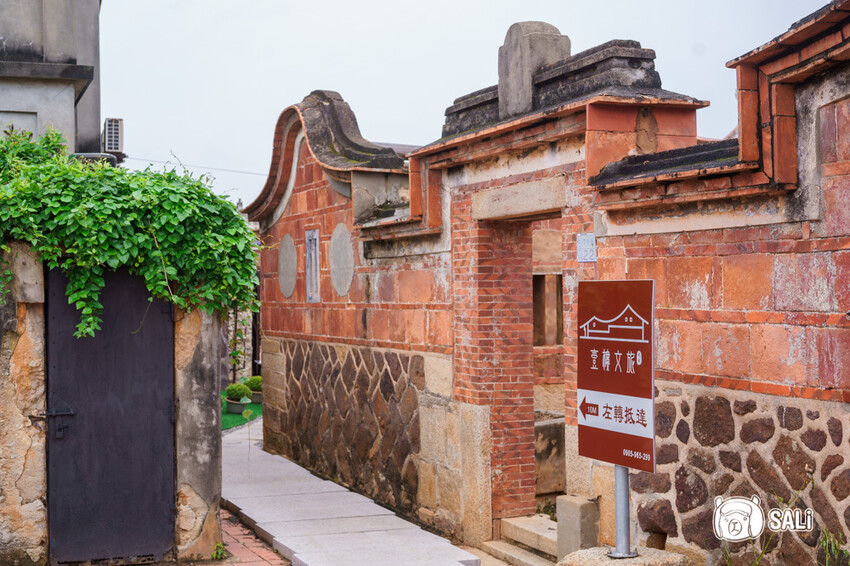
column 493, row 357
column 577, row 220
column 390, row 304
column 759, row 309
column 342, row 377
column 762, row 308
column 491, row 264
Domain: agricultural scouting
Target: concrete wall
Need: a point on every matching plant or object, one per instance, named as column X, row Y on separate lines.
column 38, row 34
column 89, row 123
column 23, row 477
column 37, row 105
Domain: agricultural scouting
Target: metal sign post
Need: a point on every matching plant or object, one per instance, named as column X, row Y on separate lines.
column 621, row 488
column 615, row 385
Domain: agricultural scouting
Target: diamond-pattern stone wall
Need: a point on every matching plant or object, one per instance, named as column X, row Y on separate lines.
column 348, row 413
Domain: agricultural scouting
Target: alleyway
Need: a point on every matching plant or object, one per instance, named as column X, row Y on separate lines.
column 315, row 522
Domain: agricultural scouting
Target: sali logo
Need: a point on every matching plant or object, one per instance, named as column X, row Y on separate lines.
column 740, row 518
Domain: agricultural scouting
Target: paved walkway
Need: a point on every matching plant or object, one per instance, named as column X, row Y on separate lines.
column 314, row 522
column 243, row 545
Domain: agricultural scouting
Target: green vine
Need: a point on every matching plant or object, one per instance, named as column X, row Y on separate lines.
column 191, row 246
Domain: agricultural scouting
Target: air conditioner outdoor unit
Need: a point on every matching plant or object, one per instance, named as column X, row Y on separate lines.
column 113, row 136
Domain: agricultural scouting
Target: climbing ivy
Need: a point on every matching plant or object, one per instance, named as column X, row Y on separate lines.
column 191, row 246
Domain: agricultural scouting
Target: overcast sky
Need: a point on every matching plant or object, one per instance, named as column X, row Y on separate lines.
column 203, row 81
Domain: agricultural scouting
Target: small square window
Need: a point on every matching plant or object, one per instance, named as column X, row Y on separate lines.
column 548, row 310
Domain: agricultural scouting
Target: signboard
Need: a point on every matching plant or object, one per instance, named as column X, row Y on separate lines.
column 616, row 411
column 586, row 248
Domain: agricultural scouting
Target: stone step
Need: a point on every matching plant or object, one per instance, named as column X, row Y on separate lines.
column 512, row 554
column 538, row 532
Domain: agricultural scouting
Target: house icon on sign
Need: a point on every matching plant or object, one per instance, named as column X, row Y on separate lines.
column 628, row 326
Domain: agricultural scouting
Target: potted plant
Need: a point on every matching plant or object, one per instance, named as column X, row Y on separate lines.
column 237, row 396
column 255, row 384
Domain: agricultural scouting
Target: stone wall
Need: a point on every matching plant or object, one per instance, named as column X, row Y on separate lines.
column 454, row 458
column 348, row 413
column 23, row 475
column 197, row 362
column 712, row 442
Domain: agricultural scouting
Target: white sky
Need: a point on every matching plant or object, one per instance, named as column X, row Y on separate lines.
column 203, row 81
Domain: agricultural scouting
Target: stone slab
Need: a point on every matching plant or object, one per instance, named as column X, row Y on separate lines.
column 521, row 199
column 411, row 540
column 486, row 559
column 536, row 531
column 409, row 547
column 270, row 487
column 598, row 556
column 310, row 506
column 513, row 554
column 335, row 525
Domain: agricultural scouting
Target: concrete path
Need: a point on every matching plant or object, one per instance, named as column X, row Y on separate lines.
column 314, row 522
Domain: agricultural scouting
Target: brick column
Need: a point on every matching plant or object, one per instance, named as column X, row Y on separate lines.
column 493, row 356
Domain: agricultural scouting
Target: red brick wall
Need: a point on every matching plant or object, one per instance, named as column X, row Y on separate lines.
column 577, row 220
column 493, row 362
column 390, row 304
column 491, row 265
column 757, row 308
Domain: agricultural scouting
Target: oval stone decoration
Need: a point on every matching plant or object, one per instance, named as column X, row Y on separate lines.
column 341, row 259
column 287, row 265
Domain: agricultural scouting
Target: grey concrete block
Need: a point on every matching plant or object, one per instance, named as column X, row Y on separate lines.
column 578, row 524
column 521, row 199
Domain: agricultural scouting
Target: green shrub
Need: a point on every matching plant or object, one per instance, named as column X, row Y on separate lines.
column 236, row 391
column 254, row 383
column 191, row 246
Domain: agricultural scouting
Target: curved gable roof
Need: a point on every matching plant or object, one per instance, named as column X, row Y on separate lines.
column 331, row 131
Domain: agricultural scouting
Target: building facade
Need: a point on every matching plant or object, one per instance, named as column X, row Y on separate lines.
column 419, row 304
column 49, row 69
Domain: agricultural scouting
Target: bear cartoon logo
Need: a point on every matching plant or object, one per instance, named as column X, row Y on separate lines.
column 737, row 518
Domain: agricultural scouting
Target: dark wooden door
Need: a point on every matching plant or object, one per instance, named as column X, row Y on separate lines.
column 111, row 464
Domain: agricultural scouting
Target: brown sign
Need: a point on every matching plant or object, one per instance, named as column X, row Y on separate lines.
column 616, row 412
